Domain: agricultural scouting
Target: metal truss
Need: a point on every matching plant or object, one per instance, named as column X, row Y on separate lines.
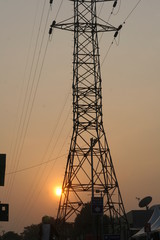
column 89, row 169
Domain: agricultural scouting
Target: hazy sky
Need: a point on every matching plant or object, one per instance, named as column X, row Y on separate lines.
column 36, row 100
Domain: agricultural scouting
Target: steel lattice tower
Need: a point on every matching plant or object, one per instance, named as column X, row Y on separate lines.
column 89, row 169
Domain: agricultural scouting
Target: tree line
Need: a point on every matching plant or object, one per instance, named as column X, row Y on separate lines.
column 80, row 228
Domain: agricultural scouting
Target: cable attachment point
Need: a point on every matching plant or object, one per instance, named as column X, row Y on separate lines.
column 115, row 4
column 50, row 31
column 118, row 29
column 53, row 24
column 51, row 27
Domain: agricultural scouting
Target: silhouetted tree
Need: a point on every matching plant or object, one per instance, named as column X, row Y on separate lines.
column 84, row 222
column 11, row 236
column 31, row 232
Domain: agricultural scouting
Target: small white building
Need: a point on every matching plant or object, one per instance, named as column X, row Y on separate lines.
column 151, row 228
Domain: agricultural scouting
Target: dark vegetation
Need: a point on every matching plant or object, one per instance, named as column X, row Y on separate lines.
column 81, row 226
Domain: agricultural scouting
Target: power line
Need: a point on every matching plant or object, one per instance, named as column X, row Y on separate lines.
column 59, row 9
column 33, row 192
column 20, row 97
column 35, row 166
column 65, row 103
column 106, row 55
column 132, row 11
column 23, row 126
column 34, row 78
column 114, row 39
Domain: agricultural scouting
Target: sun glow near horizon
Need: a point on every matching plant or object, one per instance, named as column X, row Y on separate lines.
column 58, row 191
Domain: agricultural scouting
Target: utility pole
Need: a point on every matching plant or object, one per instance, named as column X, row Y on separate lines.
column 2, row 168
column 4, row 208
column 79, row 181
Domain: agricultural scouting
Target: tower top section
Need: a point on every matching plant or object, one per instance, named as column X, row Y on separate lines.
column 82, row 20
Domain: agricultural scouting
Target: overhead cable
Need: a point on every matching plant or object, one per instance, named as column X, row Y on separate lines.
column 35, row 166
column 118, row 30
column 26, row 112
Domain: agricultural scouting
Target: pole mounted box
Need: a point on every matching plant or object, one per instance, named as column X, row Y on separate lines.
column 4, row 208
column 2, row 168
column 4, row 212
column 97, row 205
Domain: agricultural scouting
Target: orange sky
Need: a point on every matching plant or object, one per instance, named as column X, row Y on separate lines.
column 131, row 98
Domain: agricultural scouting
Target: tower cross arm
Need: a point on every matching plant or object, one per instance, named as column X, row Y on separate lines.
column 95, row 0
column 65, row 26
column 106, row 28
column 84, row 27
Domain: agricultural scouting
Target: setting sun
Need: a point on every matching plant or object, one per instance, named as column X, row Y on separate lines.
column 58, row 191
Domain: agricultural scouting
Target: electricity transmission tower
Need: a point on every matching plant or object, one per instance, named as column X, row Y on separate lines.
column 89, row 174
